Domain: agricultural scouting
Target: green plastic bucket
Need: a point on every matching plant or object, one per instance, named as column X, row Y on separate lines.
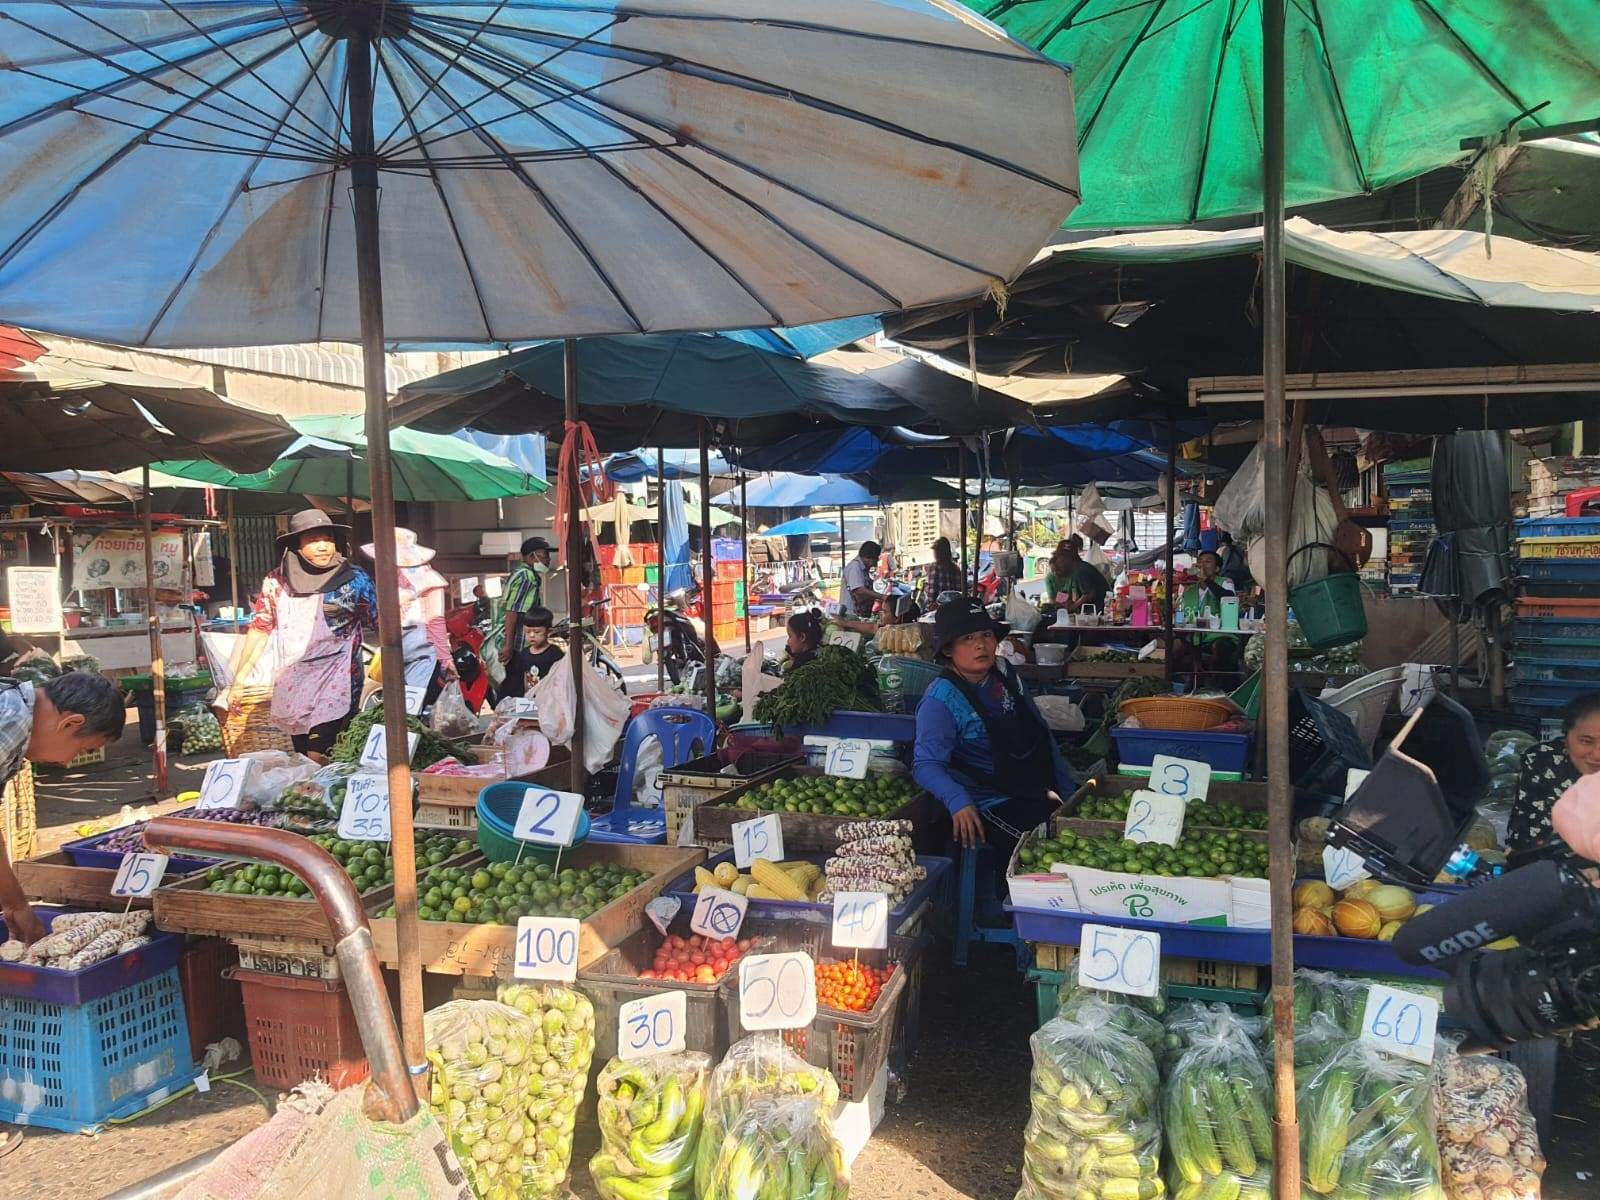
column 1329, row 609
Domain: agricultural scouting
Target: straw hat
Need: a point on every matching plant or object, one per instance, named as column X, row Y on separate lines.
column 408, row 552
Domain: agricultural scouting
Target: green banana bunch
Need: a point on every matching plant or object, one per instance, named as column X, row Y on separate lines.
column 650, row 1114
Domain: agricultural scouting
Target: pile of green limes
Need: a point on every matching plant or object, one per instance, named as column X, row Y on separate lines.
column 1202, row 813
column 874, row 797
column 1199, row 854
column 499, row 893
column 367, row 864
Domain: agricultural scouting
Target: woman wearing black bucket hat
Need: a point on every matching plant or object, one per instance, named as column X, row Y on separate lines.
column 982, row 746
column 313, row 611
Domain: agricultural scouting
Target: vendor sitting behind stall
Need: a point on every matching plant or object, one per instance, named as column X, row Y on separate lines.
column 805, row 638
column 982, row 747
column 1550, row 768
column 1071, row 582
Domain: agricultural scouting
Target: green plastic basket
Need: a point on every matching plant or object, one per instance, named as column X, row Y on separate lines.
column 1329, row 609
column 1248, row 696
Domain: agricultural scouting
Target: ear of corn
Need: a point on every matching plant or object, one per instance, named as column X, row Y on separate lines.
column 771, row 877
column 725, row 873
column 704, row 879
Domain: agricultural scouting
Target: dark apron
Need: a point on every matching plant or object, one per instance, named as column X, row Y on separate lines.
column 1024, row 770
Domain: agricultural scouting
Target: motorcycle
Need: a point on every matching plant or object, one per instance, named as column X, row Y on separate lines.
column 677, row 638
column 468, row 628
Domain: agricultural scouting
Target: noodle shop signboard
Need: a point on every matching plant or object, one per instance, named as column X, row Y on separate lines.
column 114, row 558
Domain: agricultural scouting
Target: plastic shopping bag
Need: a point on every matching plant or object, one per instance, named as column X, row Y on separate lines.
column 451, row 716
column 605, row 711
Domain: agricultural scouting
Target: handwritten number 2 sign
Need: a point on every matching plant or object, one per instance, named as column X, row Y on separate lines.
column 139, row 875
column 1180, row 777
column 654, row 1024
column 223, row 783
column 548, row 818
column 1119, row 960
column 777, row 991
column 547, row 948
column 1402, row 1023
column 760, row 838
column 718, row 914
column 1153, row 817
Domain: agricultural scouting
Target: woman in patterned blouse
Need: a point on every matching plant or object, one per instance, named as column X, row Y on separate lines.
column 1550, row 768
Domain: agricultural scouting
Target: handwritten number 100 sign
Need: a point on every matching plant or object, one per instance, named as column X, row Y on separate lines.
column 547, row 948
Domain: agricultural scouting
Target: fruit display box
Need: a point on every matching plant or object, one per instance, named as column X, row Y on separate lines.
column 451, row 801
column 56, row 879
column 803, row 833
column 938, row 873
column 190, row 906
column 458, row 948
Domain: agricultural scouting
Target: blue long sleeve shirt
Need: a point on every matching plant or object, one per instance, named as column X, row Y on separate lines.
column 952, row 751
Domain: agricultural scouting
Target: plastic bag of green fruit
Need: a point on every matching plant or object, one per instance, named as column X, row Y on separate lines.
column 1094, row 1129
column 507, row 1083
column 781, row 1094
column 1216, row 1112
column 650, row 1114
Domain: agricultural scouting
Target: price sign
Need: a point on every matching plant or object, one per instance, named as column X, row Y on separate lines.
column 1119, row 960
column 760, row 838
column 654, row 1024
column 547, row 948
column 223, row 784
column 848, row 758
column 847, row 638
column 1181, row 777
column 466, row 587
column 414, row 698
column 365, row 814
column 548, row 818
column 139, row 875
column 1342, row 867
column 718, row 914
column 861, row 920
column 1153, row 817
column 375, row 754
column 777, row 991
column 1354, row 778
column 1402, row 1023
column 524, row 706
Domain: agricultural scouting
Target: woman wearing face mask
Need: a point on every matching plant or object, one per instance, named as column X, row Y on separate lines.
column 423, row 638
column 982, row 746
column 314, row 609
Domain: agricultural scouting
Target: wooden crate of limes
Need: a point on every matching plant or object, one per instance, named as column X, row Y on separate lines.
column 244, row 898
column 812, row 805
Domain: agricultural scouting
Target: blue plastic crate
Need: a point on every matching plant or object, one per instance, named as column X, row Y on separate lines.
column 1530, row 670
column 73, row 1066
column 873, row 726
column 1549, row 629
column 1548, row 693
column 1559, row 570
column 87, row 852
column 26, row 982
column 1224, row 751
column 1532, row 527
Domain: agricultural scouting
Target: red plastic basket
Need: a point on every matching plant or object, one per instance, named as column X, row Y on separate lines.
column 211, row 1000
column 300, row 1029
column 1553, row 606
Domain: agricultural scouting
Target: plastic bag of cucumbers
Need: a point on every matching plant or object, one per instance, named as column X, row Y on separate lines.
column 1216, row 1114
column 1187, row 1020
column 1137, row 1016
column 1093, row 1133
column 790, row 1097
column 650, row 1111
column 1367, row 1127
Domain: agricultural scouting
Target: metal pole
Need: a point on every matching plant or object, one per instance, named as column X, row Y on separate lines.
column 386, row 575
column 961, row 460
column 847, row 603
column 1275, row 669
column 233, row 561
column 983, row 507
column 1011, row 512
column 661, row 568
column 576, row 645
column 707, row 572
column 1172, row 535
column 744, row 550
column 158, row 668
column 350, row 491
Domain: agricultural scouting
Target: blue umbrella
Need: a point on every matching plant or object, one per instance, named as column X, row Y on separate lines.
column 799, row 527
column 196, row 173
column 675, row 572
column 782, row 489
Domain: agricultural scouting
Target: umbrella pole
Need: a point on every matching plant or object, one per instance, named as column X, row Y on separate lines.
column 707, row 571
column 233, row 561
column 1172, row 536
column 1275, row 668
column 661, row 568
column 386, row 575
column 158, row 667
column 961, row 459
column 983, row 508
column 574, row 564
column 744, row 550
column 843, row 607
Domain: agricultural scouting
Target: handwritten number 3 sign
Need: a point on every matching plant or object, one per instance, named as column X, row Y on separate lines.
column 1180, row 777
column 777, row 991
column 1119, row 960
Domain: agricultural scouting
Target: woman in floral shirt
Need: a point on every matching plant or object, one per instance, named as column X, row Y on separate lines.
column 1550, row 768
column 314, row 609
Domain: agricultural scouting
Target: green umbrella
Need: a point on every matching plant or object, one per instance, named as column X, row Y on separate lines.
column 1169, row 95
column 331, row 458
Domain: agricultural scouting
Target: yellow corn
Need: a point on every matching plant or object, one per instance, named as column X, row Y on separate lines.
column 770, row 876
column 741, row 885
column 758, row 892
column 726, row 873
column 704, row 879
column 803, row 873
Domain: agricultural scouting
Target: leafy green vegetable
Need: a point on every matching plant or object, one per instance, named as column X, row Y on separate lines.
column 836, row 680
column 430, row 746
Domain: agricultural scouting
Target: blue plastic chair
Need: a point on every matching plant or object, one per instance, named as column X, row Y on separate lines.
column 684, row 733
column 979, row 914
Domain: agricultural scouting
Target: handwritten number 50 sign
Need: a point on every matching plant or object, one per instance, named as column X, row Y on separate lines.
column 777, row 991
column 1113, row 959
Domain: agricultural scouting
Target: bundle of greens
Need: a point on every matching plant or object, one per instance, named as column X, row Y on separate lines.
column 837, row 680
column 430, row 746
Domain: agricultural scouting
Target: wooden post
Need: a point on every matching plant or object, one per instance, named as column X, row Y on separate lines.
column 1172, row 537
column 661, row 569
column 744, row 550
column 233, row 561
column 577, row 644
column 707, row 569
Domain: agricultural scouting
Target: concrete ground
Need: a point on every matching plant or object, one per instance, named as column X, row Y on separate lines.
column 956, row 1135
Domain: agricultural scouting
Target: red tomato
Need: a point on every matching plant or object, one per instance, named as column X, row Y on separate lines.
column 647, row 974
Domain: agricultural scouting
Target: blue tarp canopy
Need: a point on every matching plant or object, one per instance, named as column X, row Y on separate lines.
column 805, row 341
column 680, row 464
column 800, row 527
column 783, row 489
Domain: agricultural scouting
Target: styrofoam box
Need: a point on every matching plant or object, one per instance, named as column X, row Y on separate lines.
column 494, row 542
column 855, row 1121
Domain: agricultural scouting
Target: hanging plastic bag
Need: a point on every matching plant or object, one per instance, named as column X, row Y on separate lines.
column 1216, row 1113
column 1367, row 1126
column 650, row 1113
column 1095, row 1097
column 270, row 772
column 605, row 711
column 451, row 716
column 1060, row 714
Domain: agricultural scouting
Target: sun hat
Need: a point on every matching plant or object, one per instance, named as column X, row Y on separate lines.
column 308, row 519
column 408, row 552
column 959, row 618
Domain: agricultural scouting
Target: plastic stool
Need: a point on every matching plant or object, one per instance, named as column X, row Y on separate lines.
column 684, row 734
column 972, row 906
